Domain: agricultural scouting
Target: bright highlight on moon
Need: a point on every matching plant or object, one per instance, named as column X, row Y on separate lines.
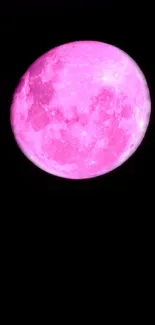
column 81, row 110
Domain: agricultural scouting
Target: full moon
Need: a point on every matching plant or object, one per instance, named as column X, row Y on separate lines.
column 81, row 109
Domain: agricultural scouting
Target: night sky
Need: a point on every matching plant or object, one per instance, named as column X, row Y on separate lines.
column 28, row 30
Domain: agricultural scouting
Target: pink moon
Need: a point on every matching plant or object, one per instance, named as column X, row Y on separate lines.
column 81, row 110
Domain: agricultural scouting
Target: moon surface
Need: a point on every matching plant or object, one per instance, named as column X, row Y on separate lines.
column 81, row 109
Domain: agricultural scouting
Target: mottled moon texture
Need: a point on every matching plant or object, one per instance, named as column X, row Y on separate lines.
column 81, row 109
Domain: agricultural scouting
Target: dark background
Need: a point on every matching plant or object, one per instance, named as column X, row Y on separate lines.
column 76, row 250
column 29, row 29
column 42, row 242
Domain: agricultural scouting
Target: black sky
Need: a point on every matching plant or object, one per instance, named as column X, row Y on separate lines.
column 28, row 30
